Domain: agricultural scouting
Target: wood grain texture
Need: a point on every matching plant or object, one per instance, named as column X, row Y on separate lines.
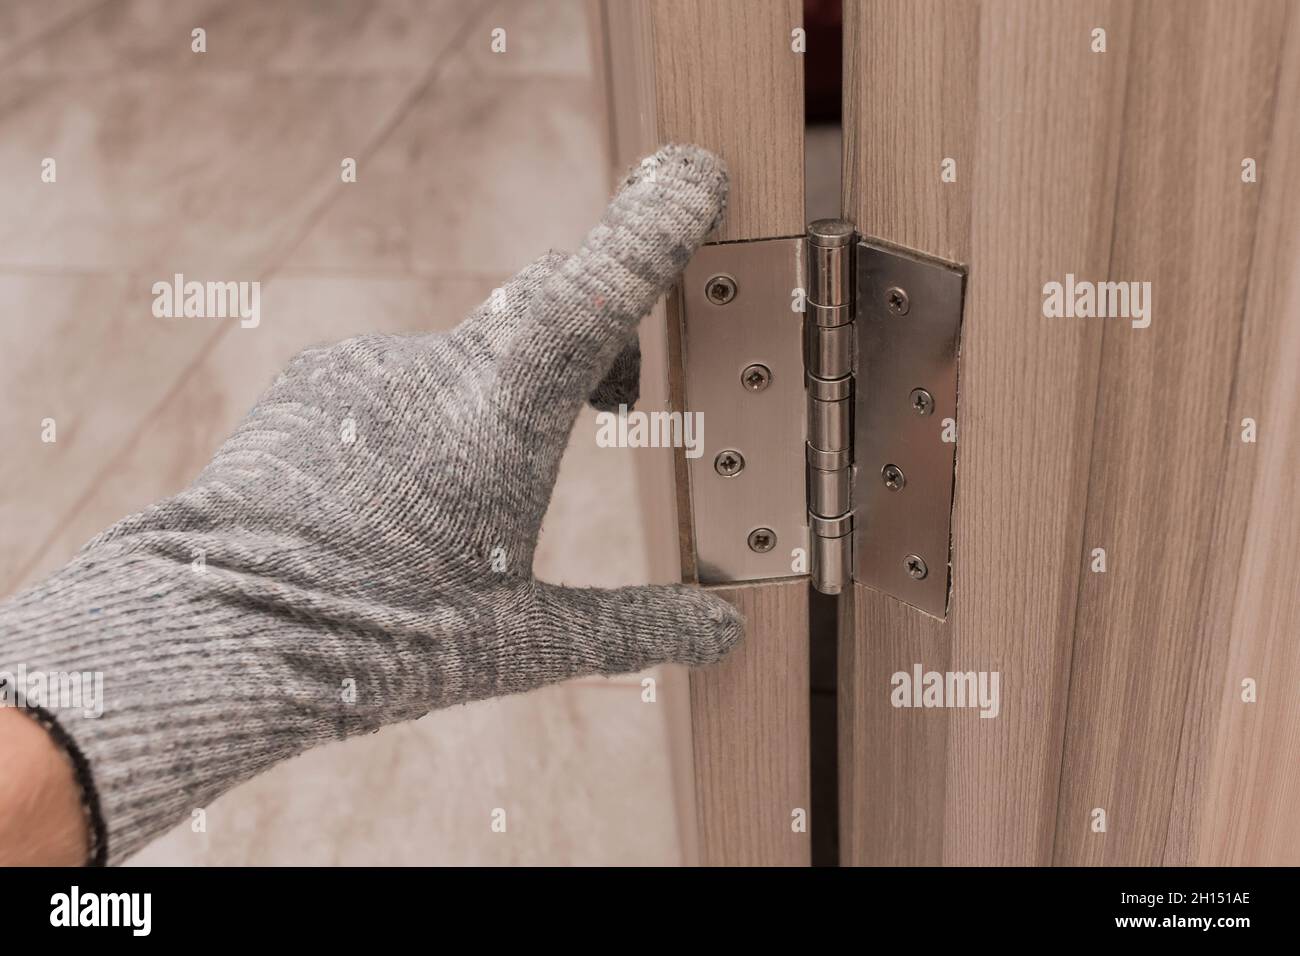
column 750, row 718
column 1118, row 690
column 1032, row 119
column 722, row 75
column 1244, row 806
column 1170, row 489
column 726, row 79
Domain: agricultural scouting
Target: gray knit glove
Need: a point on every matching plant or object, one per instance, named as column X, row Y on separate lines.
column 360, row 551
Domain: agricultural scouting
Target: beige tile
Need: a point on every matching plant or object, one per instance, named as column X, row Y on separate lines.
column 143, row 190
column 482, row 176
column 581, row 773
column 24, row 23
column 189, row 174
column 542, row 38
column 85, row 351
column 299, row 37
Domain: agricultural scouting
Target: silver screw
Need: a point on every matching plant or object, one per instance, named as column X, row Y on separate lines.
column 893, row 477
column 756, row 377
column 922, row 401
column 897, row 300
column 762, row 540
column 720, row 289
column 916, row 568
column 729, row 463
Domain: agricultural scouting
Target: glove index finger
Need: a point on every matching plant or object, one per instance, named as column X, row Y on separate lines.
column 493, row 319
column 582, row 315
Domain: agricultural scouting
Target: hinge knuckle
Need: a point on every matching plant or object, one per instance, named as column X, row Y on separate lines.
column 828, row 359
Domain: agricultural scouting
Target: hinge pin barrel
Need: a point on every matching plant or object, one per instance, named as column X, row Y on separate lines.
column 828, row 356
column 830, row 249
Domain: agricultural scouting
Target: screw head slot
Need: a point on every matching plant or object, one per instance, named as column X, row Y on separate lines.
column 915, row 566
column 762, row 540
column 922, row 402
column 756, row 377
column 893, row 477
column 720, row 289
column 729, row 463
column 897, row 301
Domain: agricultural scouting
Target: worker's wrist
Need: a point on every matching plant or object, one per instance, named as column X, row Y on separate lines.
column 133, row 661
column 43, row 821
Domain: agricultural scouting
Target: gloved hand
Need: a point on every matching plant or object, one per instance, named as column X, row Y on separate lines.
column 360, row 551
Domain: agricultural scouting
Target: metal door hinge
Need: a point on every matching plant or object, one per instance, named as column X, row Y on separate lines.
column 845, row 349
column 828, row 370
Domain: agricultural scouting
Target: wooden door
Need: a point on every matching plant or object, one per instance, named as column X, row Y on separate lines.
column 723, row 75
column 1161, row 691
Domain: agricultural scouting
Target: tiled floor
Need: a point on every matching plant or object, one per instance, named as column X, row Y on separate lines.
column 225, row 165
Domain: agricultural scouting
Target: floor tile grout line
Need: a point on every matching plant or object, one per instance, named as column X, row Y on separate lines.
column 309, row 223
